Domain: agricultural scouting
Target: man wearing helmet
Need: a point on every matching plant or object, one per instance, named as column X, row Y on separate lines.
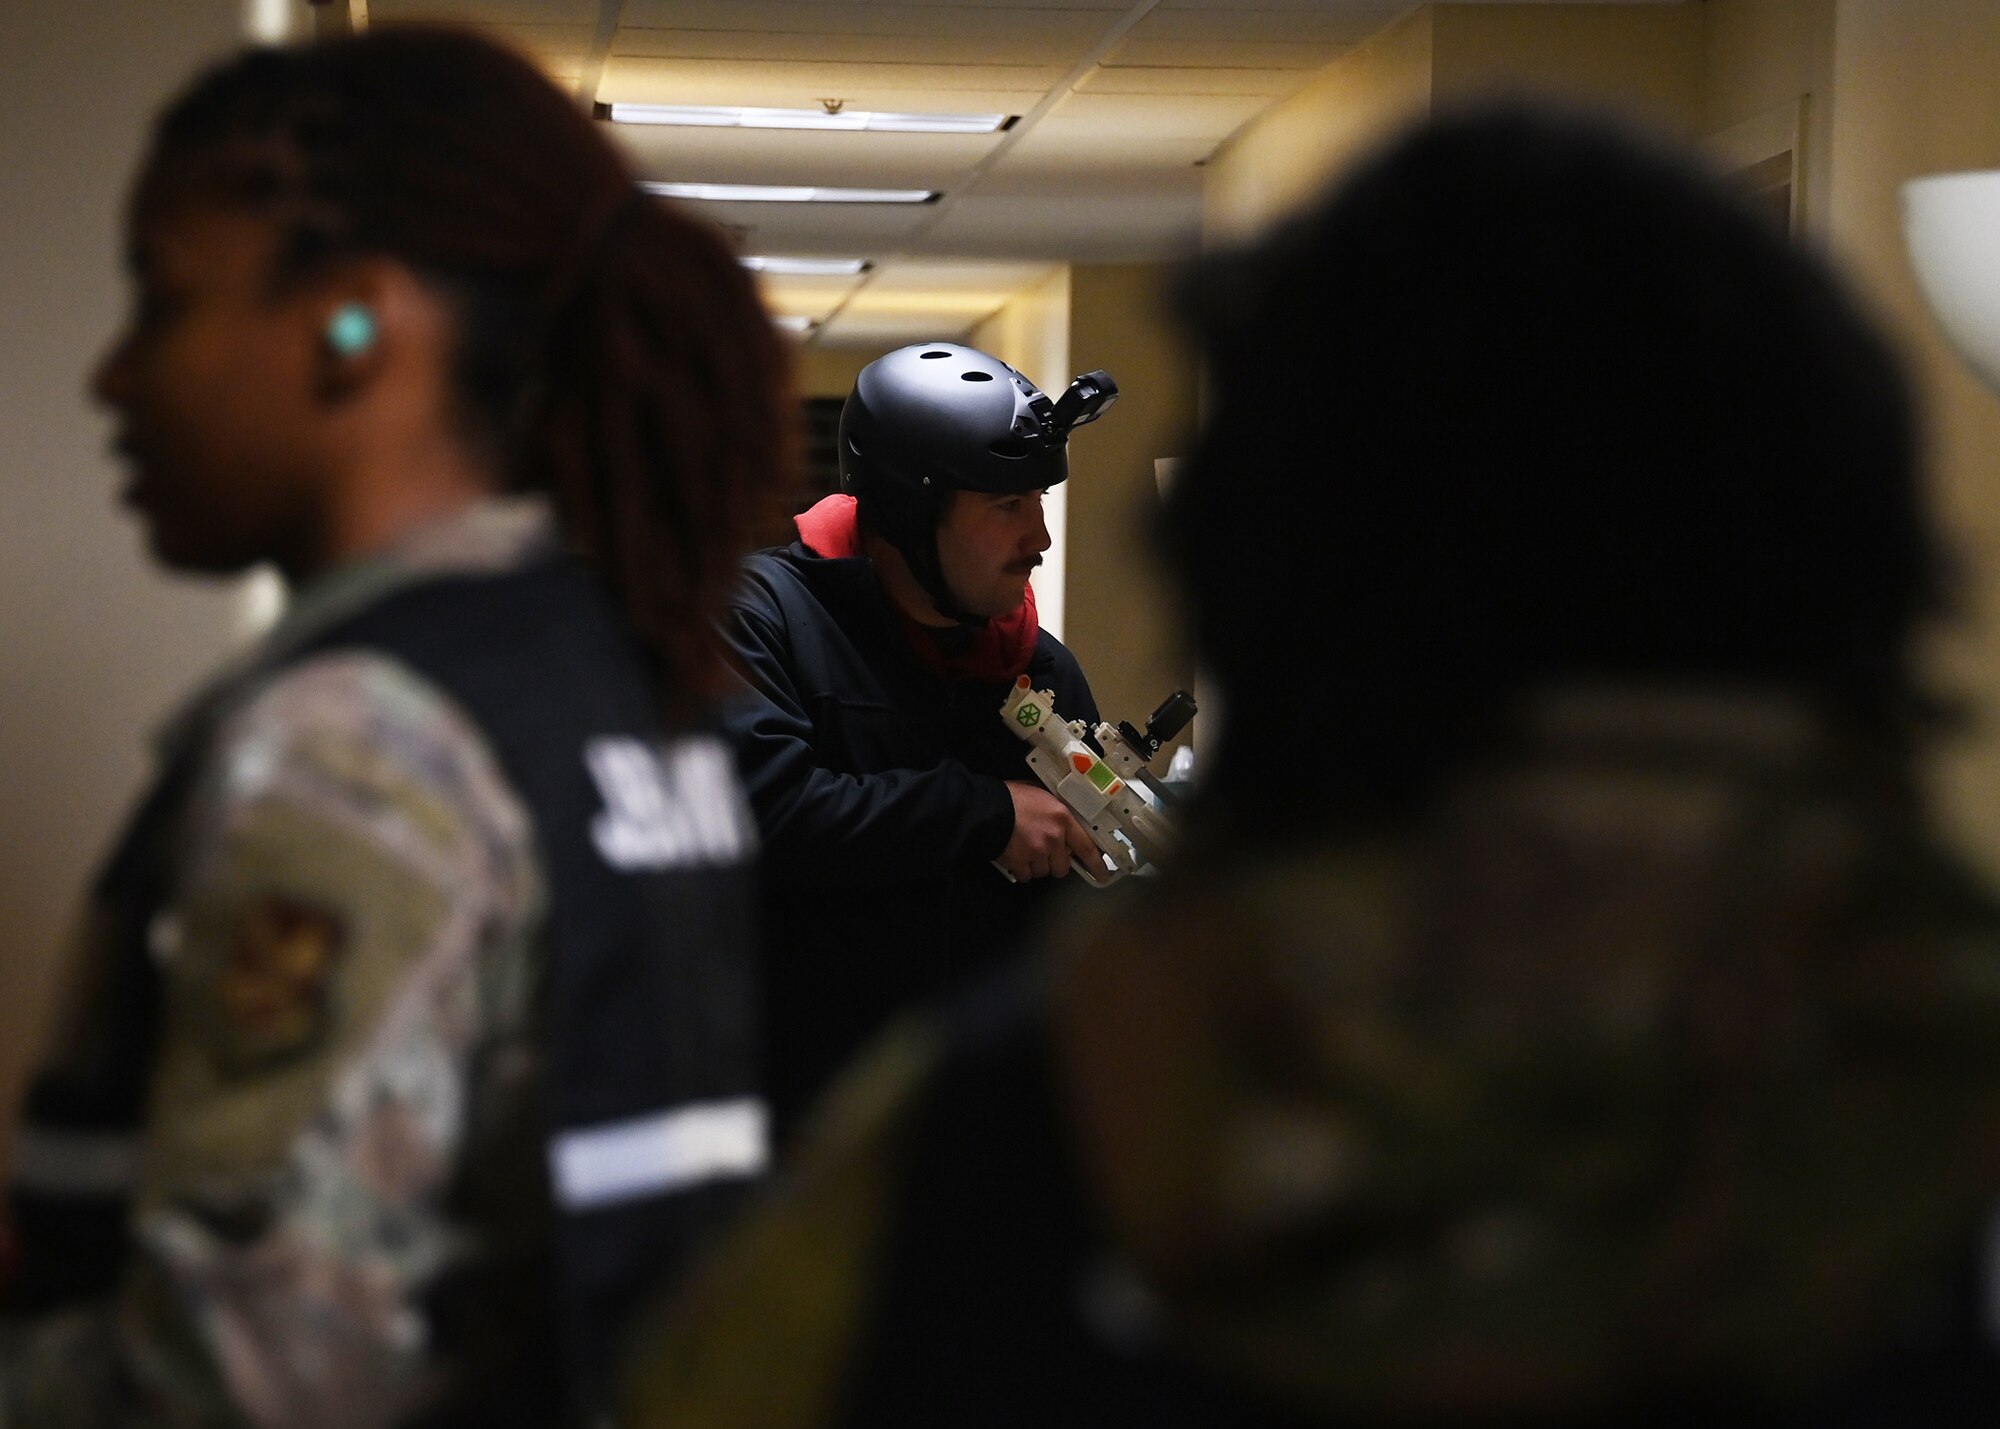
column 906, row 841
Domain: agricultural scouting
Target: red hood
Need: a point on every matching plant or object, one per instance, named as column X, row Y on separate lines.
column 998, row 651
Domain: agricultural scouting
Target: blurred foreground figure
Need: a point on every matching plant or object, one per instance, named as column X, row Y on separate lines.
column 1568, row 1017
column 411, row 1036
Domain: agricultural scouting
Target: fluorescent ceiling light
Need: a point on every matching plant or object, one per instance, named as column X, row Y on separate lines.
column 807, row 267
column 743, row 117
column 784, row 193
column 792, row 322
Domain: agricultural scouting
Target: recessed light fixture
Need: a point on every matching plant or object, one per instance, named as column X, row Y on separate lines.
column 807, row 267
column 874, row 121
column 786, row 193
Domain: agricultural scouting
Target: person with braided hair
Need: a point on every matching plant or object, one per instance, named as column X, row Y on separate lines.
column 411, row 1036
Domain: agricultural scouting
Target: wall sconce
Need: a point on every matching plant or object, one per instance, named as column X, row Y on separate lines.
column 1951, row 225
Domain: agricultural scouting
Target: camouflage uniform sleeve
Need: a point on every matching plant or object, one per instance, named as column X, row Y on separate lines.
column 353, row 923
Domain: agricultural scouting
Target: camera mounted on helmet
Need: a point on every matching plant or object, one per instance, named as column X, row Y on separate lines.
column 939, row 417
column 1087, row 399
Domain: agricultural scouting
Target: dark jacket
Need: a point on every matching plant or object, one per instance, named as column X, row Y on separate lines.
column 877, row 785
column 586, row 1164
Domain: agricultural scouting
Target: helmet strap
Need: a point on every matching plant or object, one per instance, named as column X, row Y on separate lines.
column 929, row 571
column 913, row 534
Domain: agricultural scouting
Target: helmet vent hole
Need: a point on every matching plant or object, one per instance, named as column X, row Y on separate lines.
column 1011, row 447
column 975, row 377
column 929, row 355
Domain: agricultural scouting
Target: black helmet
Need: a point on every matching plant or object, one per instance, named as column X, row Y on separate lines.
column 938, row 417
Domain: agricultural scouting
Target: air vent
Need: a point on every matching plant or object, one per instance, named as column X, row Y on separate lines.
column 929, row 355
column 975, row 377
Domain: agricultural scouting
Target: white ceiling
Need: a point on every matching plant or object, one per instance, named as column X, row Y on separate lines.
column 1119, row 103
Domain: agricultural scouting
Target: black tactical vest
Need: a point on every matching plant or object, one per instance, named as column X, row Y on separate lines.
column 651, row 1124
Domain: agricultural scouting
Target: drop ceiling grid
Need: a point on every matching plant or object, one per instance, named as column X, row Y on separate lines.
column 788, row 83
column 1183, row 53
column 794, row 15
column 1006, row 47
column 484, row 12
column 996, row 280
column 1336, row 22
column 1107, row 172
column 768, row 157
column 787, row 55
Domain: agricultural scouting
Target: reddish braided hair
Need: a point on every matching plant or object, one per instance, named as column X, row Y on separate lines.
column 612, row 352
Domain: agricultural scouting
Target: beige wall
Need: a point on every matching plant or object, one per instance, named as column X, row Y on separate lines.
column 1917, row 90
column 1121, row 615
column 1031, row 333
column 93, row 644
column 1283, row 156
column 1693, row 68
column 1109, row 604
column 830, row 372
column 1893, row 89
column 1643, row 61
column 1761, row 55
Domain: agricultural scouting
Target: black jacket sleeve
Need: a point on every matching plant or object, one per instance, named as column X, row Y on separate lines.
column 820, row 821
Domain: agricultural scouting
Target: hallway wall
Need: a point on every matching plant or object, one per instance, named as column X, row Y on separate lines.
column 1759, row 55
column 94, row 645
column 1892, row 89
column 1122, row 617
column 1279, row 159
column 1644, row 61
column 1915, row 83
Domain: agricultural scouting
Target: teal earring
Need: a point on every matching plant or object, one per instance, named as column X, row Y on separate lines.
column 351, row 330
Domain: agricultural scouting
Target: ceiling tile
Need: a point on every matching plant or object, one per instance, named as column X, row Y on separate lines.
column 754, row 156
column 1041, row 182
column 1190, row 83
column 813, row 47
column 1372, row 13
column 988, row 89
column 904, row 18
column 1110, row 173
column 1338, row 25
column 809, row 297
column 1094, row 226
column 884, row 332
column 492, row 12
column 1000, row 280
column 859, row 76
column 552, row 46
column 1144, row 116
column 863, row 230
column 790, row 287
column 1060, row 145
column 1226, row 54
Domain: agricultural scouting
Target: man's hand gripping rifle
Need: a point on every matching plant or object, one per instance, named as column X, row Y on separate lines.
column 1131, row 832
